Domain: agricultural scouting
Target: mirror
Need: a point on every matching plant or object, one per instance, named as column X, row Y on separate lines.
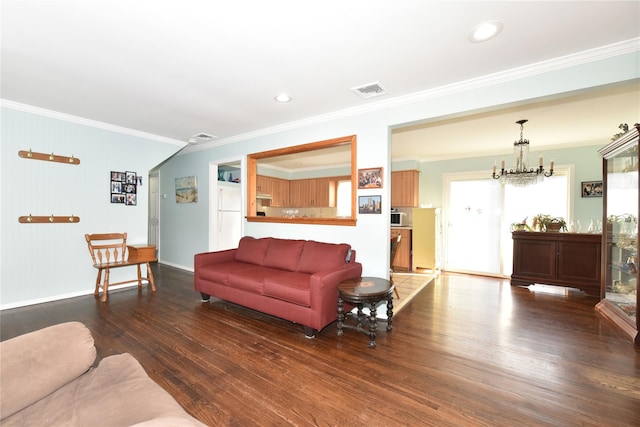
column 312, row 183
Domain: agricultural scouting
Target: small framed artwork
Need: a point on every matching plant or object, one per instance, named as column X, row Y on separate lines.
column 370, row 178
column 131, row 178
column 187, row 189
column 370, row 204
column 131, row 199
column 591, row 188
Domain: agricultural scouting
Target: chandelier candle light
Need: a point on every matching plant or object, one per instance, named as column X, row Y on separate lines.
column 522, row 175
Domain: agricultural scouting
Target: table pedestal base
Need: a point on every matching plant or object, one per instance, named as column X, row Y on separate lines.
column 366, row 324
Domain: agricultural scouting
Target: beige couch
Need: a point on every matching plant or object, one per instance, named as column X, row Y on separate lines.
column 48, row 380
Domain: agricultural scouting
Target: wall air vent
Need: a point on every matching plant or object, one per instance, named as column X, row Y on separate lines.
column 370, row 90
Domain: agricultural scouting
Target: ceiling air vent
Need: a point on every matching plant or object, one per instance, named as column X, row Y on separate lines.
column 200, row 137
column 204, row 136
column 370, row 90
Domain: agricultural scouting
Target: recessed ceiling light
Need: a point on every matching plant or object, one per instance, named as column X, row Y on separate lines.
column 485, row 31
column 283, row 97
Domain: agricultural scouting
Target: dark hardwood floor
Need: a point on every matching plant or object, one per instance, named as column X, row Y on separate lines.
column 466, row 351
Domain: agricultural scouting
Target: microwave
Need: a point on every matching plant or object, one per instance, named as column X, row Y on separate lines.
column 397, row 219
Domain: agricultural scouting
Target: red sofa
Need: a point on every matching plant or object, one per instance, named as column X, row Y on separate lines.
column 296, row 280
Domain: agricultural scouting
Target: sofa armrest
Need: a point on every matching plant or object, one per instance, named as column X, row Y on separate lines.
column 36, row 364
column 208, row 258
column 332, row 278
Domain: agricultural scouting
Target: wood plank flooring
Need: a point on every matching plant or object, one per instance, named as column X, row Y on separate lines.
column 466, row 351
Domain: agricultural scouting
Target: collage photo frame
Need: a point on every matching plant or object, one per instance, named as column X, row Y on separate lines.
column 124, row 187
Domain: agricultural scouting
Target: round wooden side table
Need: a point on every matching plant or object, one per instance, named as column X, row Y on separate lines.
column 365, row 291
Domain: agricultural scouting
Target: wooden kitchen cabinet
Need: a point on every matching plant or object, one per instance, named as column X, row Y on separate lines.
column 310, row 193
column 402, row 260
column 263, row 184
column 299, row 193
column 280, row 192
column 565, row 259
column 405, row 188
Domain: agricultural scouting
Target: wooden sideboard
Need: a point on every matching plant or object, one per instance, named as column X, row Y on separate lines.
column 565, row 259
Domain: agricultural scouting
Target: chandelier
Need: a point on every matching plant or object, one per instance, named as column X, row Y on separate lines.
column 522, row 174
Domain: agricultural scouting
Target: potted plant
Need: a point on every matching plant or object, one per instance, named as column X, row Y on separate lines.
column 520, row 226
column 543, row 222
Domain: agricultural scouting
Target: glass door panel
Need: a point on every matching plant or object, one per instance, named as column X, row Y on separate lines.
column 622, row 230
column 474, row 226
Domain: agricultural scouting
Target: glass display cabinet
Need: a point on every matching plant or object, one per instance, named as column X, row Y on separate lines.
column 619, row 293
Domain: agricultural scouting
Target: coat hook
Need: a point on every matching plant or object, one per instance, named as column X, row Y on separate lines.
column 51, row 156
column 29, row 218
column 71, row 159
column 71, row 219
column 29, row 154
column 51, row 219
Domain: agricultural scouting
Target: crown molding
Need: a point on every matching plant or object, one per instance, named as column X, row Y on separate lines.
column 568, row 61
column 592, row 55
column 5, row 103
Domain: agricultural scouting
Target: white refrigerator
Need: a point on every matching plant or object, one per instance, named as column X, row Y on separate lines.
column 229, row 217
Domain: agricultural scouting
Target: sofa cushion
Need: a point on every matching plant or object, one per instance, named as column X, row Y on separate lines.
column 118, row 392
column 251, row 279
column 252, row 250
column 284, row 254
column 290, row 286
column 319, row 256
column 219, row 273
column 36, row 364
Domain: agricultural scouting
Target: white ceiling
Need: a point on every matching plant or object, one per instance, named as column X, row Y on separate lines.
column 178, row 68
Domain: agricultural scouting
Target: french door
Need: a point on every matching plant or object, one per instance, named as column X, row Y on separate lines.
column 478, row 214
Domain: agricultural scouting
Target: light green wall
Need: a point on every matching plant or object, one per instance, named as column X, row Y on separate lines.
column 183, row 234
column 43, row 262
column 587, row 167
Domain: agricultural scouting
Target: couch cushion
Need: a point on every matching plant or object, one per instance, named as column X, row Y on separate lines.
column 36, row 364
column 219, row 273
column 252, row 250
column 284, row 254
column 319, row 256
column 290, row 286
column 116, row 393
column 251, row 279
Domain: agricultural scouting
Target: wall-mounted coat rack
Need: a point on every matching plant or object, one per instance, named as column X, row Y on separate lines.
column 51, row 219
column 48, row 157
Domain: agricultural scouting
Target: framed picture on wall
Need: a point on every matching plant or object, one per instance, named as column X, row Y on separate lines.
column 370, row 204
column 591, row 188
column 370, row 178
column 124, row 188
column 187, row 189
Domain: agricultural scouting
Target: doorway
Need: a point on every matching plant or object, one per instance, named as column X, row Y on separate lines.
column 479, row 213
column 153, row 237
column 226, row 207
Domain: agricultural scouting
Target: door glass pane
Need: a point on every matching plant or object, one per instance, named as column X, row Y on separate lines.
column 473, row 226
column 343, row 197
